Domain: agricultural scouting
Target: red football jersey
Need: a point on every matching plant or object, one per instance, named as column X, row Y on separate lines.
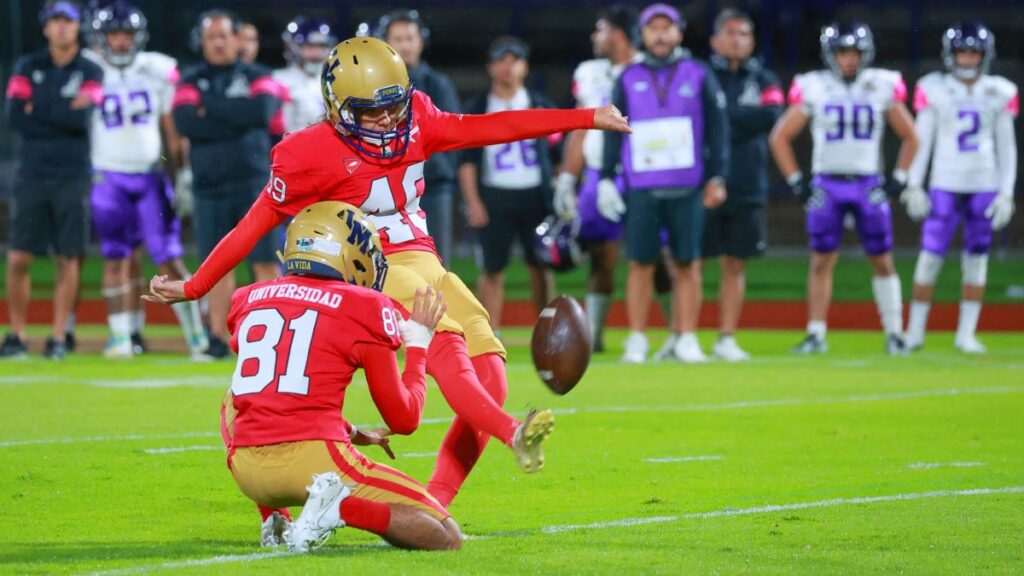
column 299, row 340
column 316, row 164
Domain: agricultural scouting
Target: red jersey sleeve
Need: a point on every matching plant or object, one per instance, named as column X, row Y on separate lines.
column 288, row 190
column 443, row 131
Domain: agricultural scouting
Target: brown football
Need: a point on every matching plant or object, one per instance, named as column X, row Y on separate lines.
column 561, row 344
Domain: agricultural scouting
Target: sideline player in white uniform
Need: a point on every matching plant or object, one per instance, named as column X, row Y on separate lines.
column 614, row 46
column 307, row 41
column 967, row 115
column 848, row 105
column 132, row 198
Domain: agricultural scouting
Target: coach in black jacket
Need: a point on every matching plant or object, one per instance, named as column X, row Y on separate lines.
column 224, row 107
column 403, row 31
column 507, row 187
column 50, row 101
column 736, row 230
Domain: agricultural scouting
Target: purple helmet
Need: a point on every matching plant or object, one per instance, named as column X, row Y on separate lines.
column 555, row 244
column 847, row 35
column 968, row 36
column 119, row 17
column 307, row 31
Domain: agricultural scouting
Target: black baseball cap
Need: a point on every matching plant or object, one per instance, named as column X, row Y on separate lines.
column 503, row 45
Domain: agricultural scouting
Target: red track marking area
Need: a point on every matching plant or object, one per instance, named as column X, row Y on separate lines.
column 779, row 315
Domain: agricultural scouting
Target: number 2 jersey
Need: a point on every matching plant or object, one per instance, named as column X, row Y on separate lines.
column 961, row 124
column 847, row 118
column 125, row 134
column 317, row 164
column 299, row 341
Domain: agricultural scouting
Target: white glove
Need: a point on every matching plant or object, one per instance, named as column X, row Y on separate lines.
column 183, row 202
column 414, row 334
column 565, row 196
column 917, row 202
column 1000, row 211
column 609, row 200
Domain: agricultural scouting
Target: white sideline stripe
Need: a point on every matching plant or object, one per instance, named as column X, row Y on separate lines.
column 88, row 439
column 418, row 455
column 181, row 449
column 600, row 410
column 684, row 459
column 625, row 522
column 931, row 465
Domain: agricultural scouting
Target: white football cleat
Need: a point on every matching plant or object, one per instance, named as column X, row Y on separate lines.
column 970, row 345
column 321, row 515
column 274, row 530
column 726, row 348
column 636, row 349
column 688, row 350
column 118, row 348
column 668, row 349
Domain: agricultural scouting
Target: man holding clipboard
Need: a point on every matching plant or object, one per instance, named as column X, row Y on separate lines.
column 674, row 165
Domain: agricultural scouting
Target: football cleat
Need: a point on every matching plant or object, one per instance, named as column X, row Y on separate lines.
column 636, row 349
column 70, row 342
column 139, row 345
column 13, row 347
column 668, row 349
column 116, row 348
column 217, row 350
column 274, row 530
column 895, row 346
column 726, row 348
column 811, row 344
column 970, row 345
column 688, row 350
column 528, row 439
column 55, row 349
column 321, row 515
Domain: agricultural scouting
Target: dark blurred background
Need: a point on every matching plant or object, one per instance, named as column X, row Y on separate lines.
column 907, row 34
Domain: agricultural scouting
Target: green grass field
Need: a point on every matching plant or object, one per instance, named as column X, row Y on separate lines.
column 774, row 278
column 852, row 463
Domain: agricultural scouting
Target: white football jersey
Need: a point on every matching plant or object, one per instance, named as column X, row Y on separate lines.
column 515, row 165
column 964, row 153
column 592, row 85
column 303, row 105
column 847, row 119
column 125, row 132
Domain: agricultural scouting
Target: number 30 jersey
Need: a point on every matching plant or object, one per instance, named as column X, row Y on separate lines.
column 299, row 341
column 847, row 118
column 964, row 157
column 125, row 130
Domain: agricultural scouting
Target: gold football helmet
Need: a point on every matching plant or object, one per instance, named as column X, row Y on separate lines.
column 335, row 240
column 363, row 74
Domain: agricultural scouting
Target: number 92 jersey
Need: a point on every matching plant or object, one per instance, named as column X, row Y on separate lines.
column 125, row 134
column 964, row 158
column 847, row 119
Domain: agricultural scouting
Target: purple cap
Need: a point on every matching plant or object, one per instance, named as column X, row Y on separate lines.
column 660, row 9
column 61, row 9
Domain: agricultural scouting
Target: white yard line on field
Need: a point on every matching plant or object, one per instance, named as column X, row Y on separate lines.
column 602, row 410
column 932, row 465
column 621, row 523
column 672, row 459
column 91, row 439
column 177, row 449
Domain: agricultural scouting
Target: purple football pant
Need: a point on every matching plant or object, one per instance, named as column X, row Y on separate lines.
column 594, row 227
column 129, row 209
column 863, row 197
column 948, row 209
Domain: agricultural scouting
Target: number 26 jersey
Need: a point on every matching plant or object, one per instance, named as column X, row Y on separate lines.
column 847, row 118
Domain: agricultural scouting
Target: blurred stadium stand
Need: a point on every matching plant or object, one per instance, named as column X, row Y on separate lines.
column 907, row 34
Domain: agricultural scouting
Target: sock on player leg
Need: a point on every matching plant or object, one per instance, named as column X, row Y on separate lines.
column 970, row 311
column 448, row 362
column 918, row 322
column 889, row 299
column 120, row 326
column 191, row 324
column 138, row 320
column 72, row 322
column 463, row 445
column 817, row 328
column 265, row 512
column 597, row 315
column 366, row 514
